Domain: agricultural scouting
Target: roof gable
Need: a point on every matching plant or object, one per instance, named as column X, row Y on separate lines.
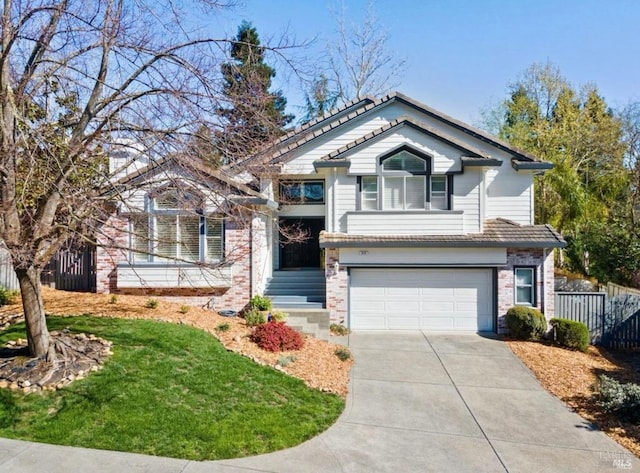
column 285, row 148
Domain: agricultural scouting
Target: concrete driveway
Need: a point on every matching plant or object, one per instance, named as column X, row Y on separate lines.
column 419, row 402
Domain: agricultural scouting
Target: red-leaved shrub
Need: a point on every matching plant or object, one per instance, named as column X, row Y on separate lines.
column 277, row 336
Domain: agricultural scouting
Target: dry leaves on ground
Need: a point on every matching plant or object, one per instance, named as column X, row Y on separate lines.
column 571, row 376
column 316, row 364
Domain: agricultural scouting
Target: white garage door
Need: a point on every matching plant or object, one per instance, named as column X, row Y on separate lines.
column 429, row 299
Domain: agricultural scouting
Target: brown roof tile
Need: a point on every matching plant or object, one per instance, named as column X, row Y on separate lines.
column 497, row 233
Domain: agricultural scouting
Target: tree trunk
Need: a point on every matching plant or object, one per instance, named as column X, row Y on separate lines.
column 37, row 331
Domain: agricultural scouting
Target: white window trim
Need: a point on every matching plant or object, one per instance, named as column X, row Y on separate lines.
column 153, row 257
column 380, row 176
column 532, row 271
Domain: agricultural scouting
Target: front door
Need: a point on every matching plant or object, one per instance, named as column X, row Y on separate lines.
column 300, row 247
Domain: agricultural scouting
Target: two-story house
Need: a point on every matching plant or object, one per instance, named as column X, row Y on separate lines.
column 414, row 220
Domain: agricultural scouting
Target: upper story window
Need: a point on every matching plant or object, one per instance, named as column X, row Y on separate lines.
column 176, row 228
column 404, row 182
column 302, row 192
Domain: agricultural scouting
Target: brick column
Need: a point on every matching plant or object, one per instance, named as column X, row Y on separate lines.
column 238, row 253
column 113, row 237
column 337, row 281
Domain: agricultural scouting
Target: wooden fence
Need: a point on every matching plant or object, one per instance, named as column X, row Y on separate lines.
column 613, row 321
column 71, row 269
column 75, row 269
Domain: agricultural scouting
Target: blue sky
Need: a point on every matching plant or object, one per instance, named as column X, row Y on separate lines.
column 462, row 54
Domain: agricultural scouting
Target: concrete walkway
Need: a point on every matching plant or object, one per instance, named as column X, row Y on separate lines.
column 419, row 402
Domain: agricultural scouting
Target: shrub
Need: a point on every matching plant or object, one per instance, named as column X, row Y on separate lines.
column 258, row 302
column 526, row 323
column 277, row 336
column 286, row 360
column 254, row 317
column 224, row 327
column 184, row 309
column 8, row 296
column 343, row 353
column 278, row 316
column 571, row 334
column 113, row 299
column 151, row 303
column 339, row 329
column 620, row 398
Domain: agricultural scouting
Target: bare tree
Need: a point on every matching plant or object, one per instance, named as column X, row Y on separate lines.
column 359, row 61
column 76, row 78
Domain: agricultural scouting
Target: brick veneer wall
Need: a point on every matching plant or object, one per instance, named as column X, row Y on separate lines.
column 113, row 237
column 111, row 251
column 542, row 260
column 337, row 286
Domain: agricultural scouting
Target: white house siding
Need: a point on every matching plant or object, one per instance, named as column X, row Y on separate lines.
column 405, row 223
column 345, row 199
column 423, row 256
column 302, row 162
column 509, row 195
column 172, row 276
column 466, row 198
column 445, row 158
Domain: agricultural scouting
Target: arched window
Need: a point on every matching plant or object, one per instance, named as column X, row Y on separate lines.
column 404, row 182
column 177, row 228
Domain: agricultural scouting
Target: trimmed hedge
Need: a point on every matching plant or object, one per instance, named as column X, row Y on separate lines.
column 277, row 336
column 526, row 323
column 571, row 334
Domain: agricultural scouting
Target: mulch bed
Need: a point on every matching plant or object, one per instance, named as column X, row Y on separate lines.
column 571, row 376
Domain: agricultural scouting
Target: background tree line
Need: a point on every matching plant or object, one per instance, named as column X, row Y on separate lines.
column 592, row 195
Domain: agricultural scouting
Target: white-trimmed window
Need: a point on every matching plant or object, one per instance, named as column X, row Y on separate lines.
column 404, row 182
column 525, row 286
column 176, row 228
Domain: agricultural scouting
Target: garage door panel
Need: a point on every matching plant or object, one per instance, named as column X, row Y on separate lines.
column 404, row 322
column 429, row 299
column 403, row 306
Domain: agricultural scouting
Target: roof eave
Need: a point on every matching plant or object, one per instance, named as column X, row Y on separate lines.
column 443, row 244
column 471, row 161
column 336, row 163
column 519, row 165
column 258, row 201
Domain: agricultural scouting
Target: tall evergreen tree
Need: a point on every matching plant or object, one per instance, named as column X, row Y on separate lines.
column 254, row 115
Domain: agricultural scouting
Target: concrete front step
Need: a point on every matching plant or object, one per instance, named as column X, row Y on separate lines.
column 308, row 321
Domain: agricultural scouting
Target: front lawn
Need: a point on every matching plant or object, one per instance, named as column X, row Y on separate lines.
column 168, row 390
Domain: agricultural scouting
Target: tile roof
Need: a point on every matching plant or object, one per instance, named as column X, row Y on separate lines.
column 304, row 134
column 497, row 233
column 411, row 122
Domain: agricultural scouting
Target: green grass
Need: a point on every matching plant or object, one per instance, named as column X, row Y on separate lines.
column 168, row 390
